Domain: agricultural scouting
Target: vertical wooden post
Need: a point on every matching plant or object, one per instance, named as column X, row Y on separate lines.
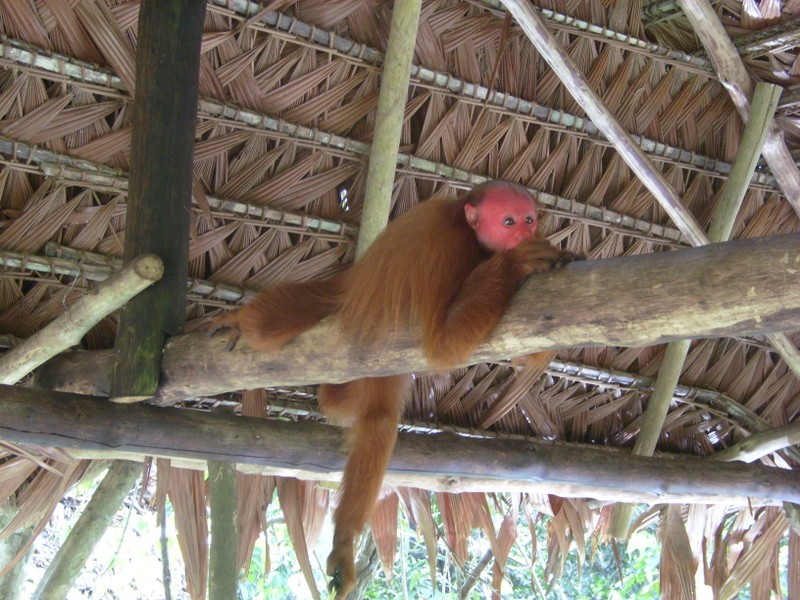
column 223, row 581
column 159, row 198
column 160, row 192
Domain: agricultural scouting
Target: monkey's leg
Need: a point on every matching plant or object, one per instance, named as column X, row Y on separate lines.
column 228, row 320
column 374, row 406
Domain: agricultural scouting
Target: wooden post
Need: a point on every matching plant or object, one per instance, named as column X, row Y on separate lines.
column 159, row 197
column 159, row 208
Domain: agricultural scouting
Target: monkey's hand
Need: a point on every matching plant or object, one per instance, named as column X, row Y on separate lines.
column 226, row 321
column 567, row 257
column 537, row 255
column 341, row 568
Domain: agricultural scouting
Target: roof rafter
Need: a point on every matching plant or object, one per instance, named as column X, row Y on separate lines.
column 70, row 170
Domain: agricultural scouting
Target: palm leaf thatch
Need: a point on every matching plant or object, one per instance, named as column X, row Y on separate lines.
column 288, row 98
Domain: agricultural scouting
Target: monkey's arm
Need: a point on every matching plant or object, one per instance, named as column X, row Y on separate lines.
column 483, row 298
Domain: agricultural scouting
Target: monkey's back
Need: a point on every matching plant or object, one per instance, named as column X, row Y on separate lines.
column 411, row 272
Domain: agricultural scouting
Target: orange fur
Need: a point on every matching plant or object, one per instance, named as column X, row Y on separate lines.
column 282, row 312
column 426, row 271
column 373, row 407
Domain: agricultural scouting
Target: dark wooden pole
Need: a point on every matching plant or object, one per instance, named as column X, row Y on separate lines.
column 445, row 462
column 159, row 198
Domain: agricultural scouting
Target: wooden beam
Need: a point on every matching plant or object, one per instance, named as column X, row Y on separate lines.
column 744, row 287
column 444, row 462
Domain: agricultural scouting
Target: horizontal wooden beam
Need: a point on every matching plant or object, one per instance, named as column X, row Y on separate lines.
column 443, row 462
column 745, row 287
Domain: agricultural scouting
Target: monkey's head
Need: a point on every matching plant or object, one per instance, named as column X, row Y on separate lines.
column 502, row 214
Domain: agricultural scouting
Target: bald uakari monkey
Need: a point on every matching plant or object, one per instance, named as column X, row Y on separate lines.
column 446, row 270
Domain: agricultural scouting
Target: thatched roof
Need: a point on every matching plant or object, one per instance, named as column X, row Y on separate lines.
column 285, row 120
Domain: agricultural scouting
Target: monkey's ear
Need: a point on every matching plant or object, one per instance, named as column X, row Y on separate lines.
column 471, row 213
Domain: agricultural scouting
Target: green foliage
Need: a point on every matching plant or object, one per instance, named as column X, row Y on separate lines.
column 130, row 550
column 597, row 576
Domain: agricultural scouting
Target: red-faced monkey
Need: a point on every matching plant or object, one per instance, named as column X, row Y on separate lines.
column 446, row 270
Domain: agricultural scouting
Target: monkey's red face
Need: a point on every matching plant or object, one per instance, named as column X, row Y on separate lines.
column 502, row 219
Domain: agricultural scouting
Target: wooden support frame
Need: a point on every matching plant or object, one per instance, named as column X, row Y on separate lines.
column 442, row 462
column 740, row 86
column 576, row 83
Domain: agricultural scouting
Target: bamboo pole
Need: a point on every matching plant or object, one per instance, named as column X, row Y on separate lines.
column 739, row 85
column 68, row 329
column 222, row 569
column 756, row 130
column 389, row 121
column 731, row 195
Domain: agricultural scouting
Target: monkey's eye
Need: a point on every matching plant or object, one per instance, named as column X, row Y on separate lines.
column 529, row 220
column 509, row 222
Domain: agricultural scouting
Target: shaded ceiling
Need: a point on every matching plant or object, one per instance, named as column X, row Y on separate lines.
column 284, row 126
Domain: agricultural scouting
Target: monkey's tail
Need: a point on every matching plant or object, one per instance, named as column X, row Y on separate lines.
column 373, row 408
column 283, row 311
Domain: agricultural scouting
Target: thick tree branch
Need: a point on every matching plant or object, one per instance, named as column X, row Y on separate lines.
column 445, row 462
column 737, row 288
